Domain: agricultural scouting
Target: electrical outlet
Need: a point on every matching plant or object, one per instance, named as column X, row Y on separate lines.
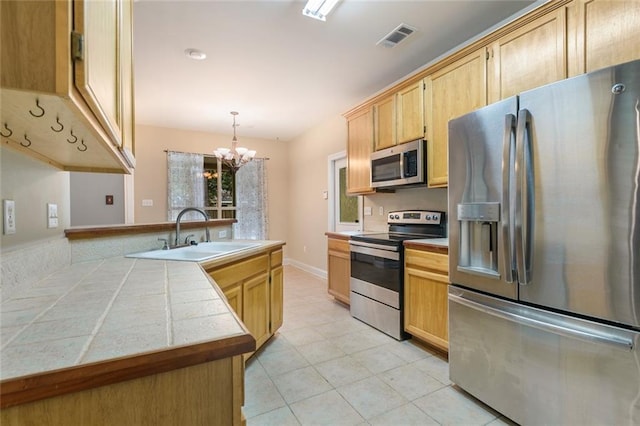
column 367, row 211
column 147, row 203
column 9, row 209
column 304, row 249
column 52, row 215
column 380, row 210
column 222, row 234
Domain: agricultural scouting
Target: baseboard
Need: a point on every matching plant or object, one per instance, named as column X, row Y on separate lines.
column 307, row 268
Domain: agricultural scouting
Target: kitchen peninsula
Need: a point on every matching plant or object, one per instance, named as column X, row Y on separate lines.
column 117, row 340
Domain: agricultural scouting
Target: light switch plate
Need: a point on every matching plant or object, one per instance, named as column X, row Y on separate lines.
column 367, row 211
column 52, row 215
column 147, row 203
column 9, row 209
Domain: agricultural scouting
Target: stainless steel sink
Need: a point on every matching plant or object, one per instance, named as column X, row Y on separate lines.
column 197, row 253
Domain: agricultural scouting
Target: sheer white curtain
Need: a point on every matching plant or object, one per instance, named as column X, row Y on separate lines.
column 251, row 201
column 186, row 185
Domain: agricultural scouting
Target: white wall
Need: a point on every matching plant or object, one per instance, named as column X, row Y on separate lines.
column 88, row 202
column 32, row 184
column 308, row 210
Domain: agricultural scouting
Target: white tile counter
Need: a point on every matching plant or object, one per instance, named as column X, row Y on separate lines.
column 100, row 310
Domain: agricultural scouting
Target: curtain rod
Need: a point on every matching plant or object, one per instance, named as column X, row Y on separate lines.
column 208, row 155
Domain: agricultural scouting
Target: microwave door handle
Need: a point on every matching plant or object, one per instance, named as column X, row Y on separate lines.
column 524, row 198
column 508, row 147
column 403, row 165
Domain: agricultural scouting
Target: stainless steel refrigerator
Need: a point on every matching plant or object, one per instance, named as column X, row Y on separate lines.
column 544, row 251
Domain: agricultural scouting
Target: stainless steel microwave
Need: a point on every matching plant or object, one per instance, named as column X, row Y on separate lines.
column 400, row 165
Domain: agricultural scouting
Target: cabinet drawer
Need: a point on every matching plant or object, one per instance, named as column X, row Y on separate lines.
column 276, row 258
column 338, row 245
column 436, row 262
column 240, row 271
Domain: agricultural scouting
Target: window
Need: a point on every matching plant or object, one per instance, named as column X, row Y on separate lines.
column 226, row 209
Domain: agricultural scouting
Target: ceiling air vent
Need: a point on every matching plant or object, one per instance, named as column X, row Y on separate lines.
column 398, row 34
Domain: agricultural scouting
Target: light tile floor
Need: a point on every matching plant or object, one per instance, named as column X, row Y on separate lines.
column 326, row 368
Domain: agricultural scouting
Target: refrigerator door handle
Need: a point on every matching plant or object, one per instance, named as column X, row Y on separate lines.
column 524, row 198
column 507, row 151
column 550, row 326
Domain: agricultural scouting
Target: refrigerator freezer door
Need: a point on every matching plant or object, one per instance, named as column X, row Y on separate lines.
column 538, row 367
column 481, row 153
column 584, row 136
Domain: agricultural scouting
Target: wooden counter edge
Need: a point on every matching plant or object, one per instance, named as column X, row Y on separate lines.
column 45, row 385
column 337, row 235
column 435, row 248
column 113, row 230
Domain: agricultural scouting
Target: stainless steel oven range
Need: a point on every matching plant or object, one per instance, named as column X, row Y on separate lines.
column 377, row 268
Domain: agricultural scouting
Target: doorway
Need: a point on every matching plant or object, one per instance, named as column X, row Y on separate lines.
column 345, row 211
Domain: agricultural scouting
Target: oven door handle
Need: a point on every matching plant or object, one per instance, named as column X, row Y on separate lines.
column 371, row 251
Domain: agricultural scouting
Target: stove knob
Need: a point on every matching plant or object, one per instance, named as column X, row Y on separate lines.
column 390, row 217
column 428, row 217
column 397, row 216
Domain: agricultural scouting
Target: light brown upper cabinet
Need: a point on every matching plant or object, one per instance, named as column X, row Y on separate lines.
column 410, row 112
column 450, row 92
column 399, row 118
column 67, row 82
column 384, row 123
column 127, row 85
column 359, row 148
column 528, row 57
column 602, row 33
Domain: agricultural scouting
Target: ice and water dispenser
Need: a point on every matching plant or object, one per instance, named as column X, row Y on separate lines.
column 478, row 252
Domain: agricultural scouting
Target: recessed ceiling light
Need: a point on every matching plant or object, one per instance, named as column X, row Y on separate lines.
column 195, row 54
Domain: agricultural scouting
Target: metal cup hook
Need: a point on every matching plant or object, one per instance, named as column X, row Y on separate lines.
column 82, row 144
column 8, row 130
column 26, row 139
column 75, row 138
column 60, row 124
column 39, row 107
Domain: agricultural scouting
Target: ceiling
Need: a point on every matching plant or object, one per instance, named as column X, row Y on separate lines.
column 283, row 72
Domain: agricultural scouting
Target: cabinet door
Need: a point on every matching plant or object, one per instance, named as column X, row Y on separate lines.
column 359, row 146
column 450, row 92
column 277, row 293
column 410, row 112
column 602, row 33
column 234, row 297
column 384, row 123
column 96, row 74
column 426, row 313
column 528, row 57
column 339, row 269
column 256, row 303
column 126, row 92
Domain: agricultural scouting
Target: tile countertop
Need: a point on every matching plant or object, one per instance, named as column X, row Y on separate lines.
column 114, row 313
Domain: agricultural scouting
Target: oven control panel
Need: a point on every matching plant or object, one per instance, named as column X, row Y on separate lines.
column 416, row 217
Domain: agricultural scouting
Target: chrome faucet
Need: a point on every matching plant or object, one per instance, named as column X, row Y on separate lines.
column 191, row 209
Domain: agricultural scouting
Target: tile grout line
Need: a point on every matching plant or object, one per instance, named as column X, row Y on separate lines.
column 55, row 302
column 100, row 322
column 167, row 301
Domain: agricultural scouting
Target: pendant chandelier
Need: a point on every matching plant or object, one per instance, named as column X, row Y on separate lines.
column 235, row 157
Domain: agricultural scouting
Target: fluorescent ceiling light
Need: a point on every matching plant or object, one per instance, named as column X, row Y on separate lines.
column 319, row 9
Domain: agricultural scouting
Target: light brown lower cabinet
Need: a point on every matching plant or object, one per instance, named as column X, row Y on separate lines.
column 426, row 283
column 254, row 289
column 204, row 394
column 339, row 269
